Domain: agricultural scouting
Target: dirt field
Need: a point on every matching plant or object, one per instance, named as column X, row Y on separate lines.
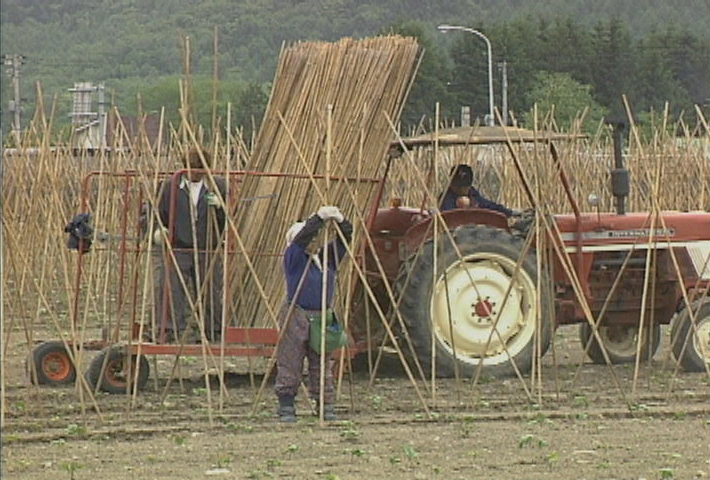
column 591, row 429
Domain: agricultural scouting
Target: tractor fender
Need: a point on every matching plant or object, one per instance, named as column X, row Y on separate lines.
column 453, row 219
column 386, row 232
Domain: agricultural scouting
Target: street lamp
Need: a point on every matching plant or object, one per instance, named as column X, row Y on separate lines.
column 447, row 28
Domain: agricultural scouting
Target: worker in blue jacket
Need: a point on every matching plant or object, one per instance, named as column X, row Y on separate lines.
column 303, row 264
column 462, row 194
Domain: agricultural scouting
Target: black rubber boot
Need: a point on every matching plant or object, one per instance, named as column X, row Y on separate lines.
column 287, row 409
column 328, row 412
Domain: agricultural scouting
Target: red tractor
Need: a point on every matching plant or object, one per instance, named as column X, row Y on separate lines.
column 478, row 294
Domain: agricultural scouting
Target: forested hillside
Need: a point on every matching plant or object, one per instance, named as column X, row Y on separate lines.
column 655, row 52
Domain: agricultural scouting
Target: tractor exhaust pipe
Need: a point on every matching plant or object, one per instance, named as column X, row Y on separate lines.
column 619, row 174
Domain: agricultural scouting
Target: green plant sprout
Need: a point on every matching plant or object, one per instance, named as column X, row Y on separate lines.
column 667, row 473
column 410, row 452
column 72, row 467
column 357, row 452
column 525, row 440
column 239, row 427
column 539, row 419
column 530, row 440
column 75, row 430
column 350, row 433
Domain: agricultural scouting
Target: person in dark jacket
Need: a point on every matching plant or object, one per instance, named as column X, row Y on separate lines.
column 461, row 193
column 193, row 217
column 303, row 265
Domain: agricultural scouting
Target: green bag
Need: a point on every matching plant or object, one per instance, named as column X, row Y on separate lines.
column 335, row 336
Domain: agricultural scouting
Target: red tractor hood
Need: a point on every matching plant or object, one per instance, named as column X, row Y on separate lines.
column 613, row 229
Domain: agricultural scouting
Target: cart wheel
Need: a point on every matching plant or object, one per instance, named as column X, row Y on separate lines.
column 115, row 375
column 620, row 342
column 52, row 364
column 696, row 353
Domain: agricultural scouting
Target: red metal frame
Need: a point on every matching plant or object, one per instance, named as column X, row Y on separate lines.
column 238, row 341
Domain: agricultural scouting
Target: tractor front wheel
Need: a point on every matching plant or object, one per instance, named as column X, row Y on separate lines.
column 111, row 371
column 52, row 365
column 484, row 306
column 620, row 342
column 695, row 356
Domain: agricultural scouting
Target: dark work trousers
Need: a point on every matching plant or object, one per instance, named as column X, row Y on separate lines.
column 292, row 350
column 176, row 315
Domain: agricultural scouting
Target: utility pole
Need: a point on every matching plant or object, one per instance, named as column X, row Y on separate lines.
column 102, row 115
column 504, row 85
column 14, row 62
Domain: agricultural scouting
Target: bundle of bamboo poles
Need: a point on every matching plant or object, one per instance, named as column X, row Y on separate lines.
column 329, row 119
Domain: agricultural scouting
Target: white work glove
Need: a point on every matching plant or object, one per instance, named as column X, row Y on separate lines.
column 330, row 212
column 159, row 235
column 212, row 200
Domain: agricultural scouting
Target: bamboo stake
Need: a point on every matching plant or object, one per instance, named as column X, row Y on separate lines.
column 324, row 286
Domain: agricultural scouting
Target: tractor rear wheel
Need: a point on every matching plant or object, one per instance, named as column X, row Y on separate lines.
column 620, row 342
column 52, row 365
column 115, row 375
column 696, row 356
column 481, row 307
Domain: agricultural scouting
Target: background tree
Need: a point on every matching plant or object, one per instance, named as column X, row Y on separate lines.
column 430, row 84
column 566, row 98
column 251, row 105
column 518, row 42
column 612, row 64
column 469, row 77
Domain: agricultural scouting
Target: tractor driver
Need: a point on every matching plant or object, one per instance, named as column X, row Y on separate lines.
column 462, row 194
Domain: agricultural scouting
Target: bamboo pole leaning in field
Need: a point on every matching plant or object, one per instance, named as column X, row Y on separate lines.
column 148, row 278
column 434, row 274
column 539, row 241
column 361, row 274
column 383, row 317
column 350, row 276
column 687, row 302
column 552, row 229
column 649, row 277
column 225, row 264
column 38, row 220
column 459, row 254
column 199, row 312
column 426, row 189
column 324, row 287
column 576, row 285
